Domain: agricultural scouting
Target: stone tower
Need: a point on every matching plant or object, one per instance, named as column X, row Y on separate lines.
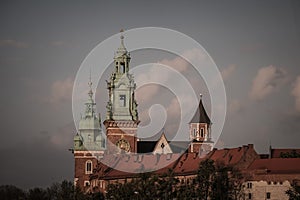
column 89, row 143
column 200, row 132
column 122, row 116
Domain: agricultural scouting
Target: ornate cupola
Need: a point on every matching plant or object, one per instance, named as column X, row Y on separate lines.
column 121, row 104
column 200, row 130
column 122, row 116
column 90, row 131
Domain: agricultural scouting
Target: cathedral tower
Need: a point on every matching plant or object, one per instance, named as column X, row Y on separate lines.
column 200, row 132
column 122, row 116
column 89, row 143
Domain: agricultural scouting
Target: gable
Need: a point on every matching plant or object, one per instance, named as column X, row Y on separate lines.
column 162, row 146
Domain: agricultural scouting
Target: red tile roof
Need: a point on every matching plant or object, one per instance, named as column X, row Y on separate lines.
column 126, row 166
column 276, row 166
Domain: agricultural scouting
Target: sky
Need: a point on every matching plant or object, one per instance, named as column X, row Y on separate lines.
column 255, row 44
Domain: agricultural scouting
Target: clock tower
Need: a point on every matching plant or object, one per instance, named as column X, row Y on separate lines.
column 122, row 116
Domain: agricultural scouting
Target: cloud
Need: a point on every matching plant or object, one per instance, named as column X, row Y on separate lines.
column 164, row 76
column 235, row 106
column 296, row 93
column 267, row 80
column 228, row 71
column 58, row 43
column 61, row 91
column 63, row 137
column 13, row 43
column 180, row 64
column 253, row 47
column 146, row 92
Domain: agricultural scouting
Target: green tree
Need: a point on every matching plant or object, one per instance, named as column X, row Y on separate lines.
column 8, row 192
column 292, row 154
column 167, row 185
column 37, row 194
column 294, row 192
column 217, row 181
column 144, row 186
column 204, row 179
column 220, row 189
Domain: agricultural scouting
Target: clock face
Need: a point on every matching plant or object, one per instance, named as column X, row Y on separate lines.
column 123, row 145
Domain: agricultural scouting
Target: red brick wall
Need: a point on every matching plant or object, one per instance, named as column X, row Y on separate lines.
column 80, row 164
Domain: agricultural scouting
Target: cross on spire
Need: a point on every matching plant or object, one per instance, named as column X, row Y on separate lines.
column 90, row 110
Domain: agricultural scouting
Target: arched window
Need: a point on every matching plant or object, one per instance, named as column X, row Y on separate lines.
column 88, row 167
column 86, row 183
column 202, row 132
column 122, row 67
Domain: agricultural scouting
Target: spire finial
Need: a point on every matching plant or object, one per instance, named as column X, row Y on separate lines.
column 90, row 78
column 121, row 50
column 90, row 83
column 122, row 36
column 201, row 96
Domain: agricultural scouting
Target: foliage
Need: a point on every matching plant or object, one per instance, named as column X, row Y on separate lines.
column 8, row 192
column 57, row 191
column 294, row 192
column 213, row 181
column 292, row 154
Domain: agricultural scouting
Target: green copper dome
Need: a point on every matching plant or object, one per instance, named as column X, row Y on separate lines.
column 89, row 127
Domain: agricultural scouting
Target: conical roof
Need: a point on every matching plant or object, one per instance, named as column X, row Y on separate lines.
column 200, row 115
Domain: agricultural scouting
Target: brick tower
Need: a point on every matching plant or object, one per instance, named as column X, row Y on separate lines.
column 122, row 116
column 89, row 143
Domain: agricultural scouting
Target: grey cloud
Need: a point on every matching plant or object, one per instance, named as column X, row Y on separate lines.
column 13, row 43
column 267, row 81
column 296, row 93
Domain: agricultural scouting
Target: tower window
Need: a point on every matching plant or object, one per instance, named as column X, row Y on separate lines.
column 86, row 183
column 201, row 132
column 122, row 67
column 195, row 134
column 122, row 100
column 88, row 167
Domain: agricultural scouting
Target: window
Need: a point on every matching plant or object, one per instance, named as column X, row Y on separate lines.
column 202, row 132
column 268, row 195
column 86, row 183
column 122, row 67
column 88, row 167
column 249, row 196
column 122, row 100
column 249, row 185
column 194, row 132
